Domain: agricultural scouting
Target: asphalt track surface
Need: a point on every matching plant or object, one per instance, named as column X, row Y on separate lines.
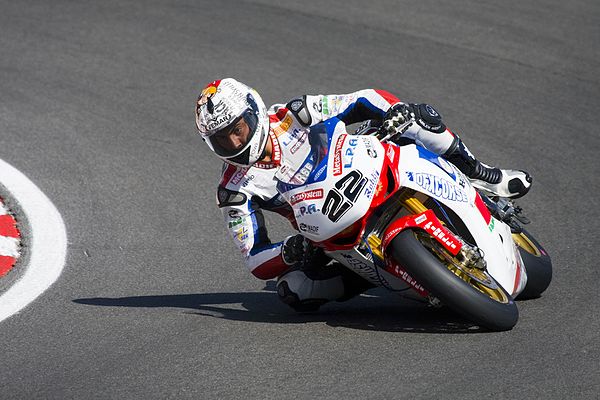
column 96, row 108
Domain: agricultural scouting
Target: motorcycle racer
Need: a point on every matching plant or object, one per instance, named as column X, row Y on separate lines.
column 253, row 141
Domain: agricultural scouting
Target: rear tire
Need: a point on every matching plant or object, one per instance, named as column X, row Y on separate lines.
column 538, row 265
column 454, row 292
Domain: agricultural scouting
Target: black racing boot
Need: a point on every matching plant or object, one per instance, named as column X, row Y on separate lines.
column 490, row 180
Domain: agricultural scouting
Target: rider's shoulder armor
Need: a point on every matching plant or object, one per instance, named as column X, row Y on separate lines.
column 299, row 108
column 229, row 191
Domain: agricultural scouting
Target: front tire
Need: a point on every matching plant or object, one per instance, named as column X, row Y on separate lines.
column 538, row 265
column 491, row 308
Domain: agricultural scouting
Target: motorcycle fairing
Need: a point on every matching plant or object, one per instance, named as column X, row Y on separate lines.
column 348, row 182
column 492, row 236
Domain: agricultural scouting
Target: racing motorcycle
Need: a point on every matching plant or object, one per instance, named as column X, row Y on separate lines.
column 403, row 218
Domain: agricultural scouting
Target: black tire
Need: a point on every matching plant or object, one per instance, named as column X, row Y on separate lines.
column 537, row 265
column 451, row 290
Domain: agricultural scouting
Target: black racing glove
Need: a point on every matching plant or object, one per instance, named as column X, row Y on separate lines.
column 294, row 249
column 300, row 252
column 423, row 114
column 395, row 116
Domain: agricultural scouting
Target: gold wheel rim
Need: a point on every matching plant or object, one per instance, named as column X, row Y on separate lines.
column 526, row 244
column 477, row 278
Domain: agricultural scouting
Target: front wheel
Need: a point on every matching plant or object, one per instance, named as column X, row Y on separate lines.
column 472, row 293
column 538, row 265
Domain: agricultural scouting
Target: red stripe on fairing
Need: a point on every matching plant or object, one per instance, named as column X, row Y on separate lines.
column 6, row 263
column 517, row 277
column 485, row 213
column 390, row 98
column 270, row 269
column 8, row 226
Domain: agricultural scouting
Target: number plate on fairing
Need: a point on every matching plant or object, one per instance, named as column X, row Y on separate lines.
column 323, row 209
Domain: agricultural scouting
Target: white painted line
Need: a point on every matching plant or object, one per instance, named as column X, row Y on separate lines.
column 9, row 246
column 48, row 242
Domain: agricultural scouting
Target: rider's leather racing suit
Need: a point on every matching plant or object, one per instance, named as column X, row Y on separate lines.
column 243, row 193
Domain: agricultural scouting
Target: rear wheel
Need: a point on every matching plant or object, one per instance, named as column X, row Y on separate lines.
column 538, row 265
column 468, row 290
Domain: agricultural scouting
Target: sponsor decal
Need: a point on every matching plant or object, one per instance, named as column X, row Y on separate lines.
column 309, row 228
column 365, row 270
column 337, row 158
column 372, row 184
column 308, row 195
column 420, row 219
column 292, row 136
column 301, row 176
column 247, row 181
column 334, row 103
column 296, row 105
column 276, row 154
column 233, row 213
column 440, row 234
column 437, row 186
column 319, row 172
column 306, row 210
column 220, row 107
column 264, row 165
column 391, row 234
column 235, row 92
column 221, row 120
column 431, row 111
column 284, row 125
column 491, row 225
column 428, row 221
column 318, row 106
column 349, row 153
column 241, row 234
column 235, row 222
column 299, row 135
column 238, row 176
column 369, row 146
column 379, row 188
column 397, row 270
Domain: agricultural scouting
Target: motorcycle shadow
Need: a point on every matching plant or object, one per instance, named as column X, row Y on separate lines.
column 377, row 310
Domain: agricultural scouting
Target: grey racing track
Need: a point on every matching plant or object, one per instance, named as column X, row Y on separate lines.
column 96, row 108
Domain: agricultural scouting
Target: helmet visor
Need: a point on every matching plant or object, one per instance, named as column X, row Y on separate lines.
column 233, row 139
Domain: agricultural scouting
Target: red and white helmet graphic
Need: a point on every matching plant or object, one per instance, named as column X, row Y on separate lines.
column 219, row 107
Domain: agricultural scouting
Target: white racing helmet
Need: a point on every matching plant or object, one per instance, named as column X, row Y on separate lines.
column 220, row 106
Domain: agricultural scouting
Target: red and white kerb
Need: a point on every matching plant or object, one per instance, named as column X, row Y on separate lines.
column 10, row 240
